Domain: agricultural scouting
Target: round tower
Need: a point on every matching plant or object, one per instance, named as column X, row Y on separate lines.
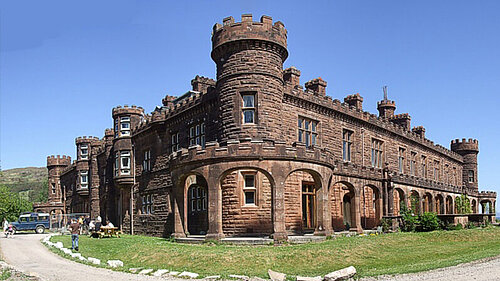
column 469, row 150
column 55, row 165
column 249, row 57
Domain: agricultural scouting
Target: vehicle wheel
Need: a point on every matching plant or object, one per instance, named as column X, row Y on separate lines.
column 40, row 229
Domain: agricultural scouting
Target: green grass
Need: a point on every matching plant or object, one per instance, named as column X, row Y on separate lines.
column 371, row 255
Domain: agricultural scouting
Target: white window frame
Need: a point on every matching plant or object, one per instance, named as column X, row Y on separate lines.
column 249, row 189
column 125, row 155
column 53, row 187
column 196, row 135
column 84, row 179
column 247, row 108
column 347, row 145
column 125, row 121
column 377, row 153
column 84, row 156
column 146, row 164
column 470, row 176
column 174, row 142
column 401, row 159
column 308, row 131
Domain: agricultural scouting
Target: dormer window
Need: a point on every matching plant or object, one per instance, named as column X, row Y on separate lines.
column 248, row 108
column 84, row 151
column 125, row 126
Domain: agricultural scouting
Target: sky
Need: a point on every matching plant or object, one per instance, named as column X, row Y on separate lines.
column 65, row 64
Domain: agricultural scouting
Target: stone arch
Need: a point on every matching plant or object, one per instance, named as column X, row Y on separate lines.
column 344, row 211
column 246, row 199
column 449, row 205
column 486, row 206
column 371, row 206
column 195, row 194
column 415, row 202
column 303, row 208
column 439, row 204
column 473, row 206
column 399, row 200
column 427, row 203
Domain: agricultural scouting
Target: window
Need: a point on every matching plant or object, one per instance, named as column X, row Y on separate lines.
column 471, row 176
column 125, row 126
column 436, row 170
column 147, row 204
column 447, row 173
column 53, row 185
column 346, row 145
column 197, row 135
column 413, row 163
column 146, row 164
column 198, row 199
column 249, row 189
column 248, row 108
column 84, row 179
column 125, row 162
column 175, row 142
column 377, row 153
column 117, row 163
column 455, row 175
column 84, row 151
column 424, row 166
column 116, row 128
column 308, row 131
column 401, row 160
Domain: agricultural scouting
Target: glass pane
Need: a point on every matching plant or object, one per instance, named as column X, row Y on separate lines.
column 249, row 181
column 191, row 132
column 300, row 136
column 307, row 124
column 300, row 122
column 313, row 126
column 248, row 101
column 203, row 141
column 202, row 128
column 248, row 116
column 308, row 135
column 249, row 197
column 197, row 130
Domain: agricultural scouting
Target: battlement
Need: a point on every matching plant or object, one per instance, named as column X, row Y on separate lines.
column 488, row 194
column 247, row 29
column 250, row 150
column 419, row 130
column 464, row 146
column 86, row 139
column 386, row 103
column 119, row 110
column 292, row 75
column 109, row 132
column 58, row 160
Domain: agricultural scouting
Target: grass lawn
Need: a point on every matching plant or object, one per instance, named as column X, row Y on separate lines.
column 371, row 255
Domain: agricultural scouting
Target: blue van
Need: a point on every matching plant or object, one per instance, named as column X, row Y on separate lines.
column 32, row 221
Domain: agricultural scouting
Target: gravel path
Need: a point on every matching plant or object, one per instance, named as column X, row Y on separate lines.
column 26, row 252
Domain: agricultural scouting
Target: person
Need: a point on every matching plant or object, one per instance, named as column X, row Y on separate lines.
column 5, row 225
column 80, row 222
column 75, row 230
column 10, row 231
column 109, row 224
column 97, row 228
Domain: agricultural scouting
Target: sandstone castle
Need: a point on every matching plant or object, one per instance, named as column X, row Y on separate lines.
column 256, row 153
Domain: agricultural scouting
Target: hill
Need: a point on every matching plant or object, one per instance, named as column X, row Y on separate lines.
column 29, row 182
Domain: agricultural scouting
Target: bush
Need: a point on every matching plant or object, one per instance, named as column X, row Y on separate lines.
column 386, row 225
column 458, row 226
column 471, row 225
column 409, row 220
column 428, row 222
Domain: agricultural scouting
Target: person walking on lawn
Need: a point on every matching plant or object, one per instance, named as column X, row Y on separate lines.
column 75, row 230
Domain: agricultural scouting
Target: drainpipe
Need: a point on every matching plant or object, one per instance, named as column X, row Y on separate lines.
column 132, row 193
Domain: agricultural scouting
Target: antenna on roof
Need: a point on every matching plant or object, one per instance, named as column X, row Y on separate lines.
column 384, row 88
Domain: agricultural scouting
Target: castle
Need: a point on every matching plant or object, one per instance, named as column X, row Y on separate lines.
column 256, row 153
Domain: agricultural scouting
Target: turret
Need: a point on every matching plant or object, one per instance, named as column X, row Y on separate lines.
column 386, row 108
column 202, row 84
column 403, row 120
column 355, row 100
column 55, row 165
column 249, row 57
column 469, row 150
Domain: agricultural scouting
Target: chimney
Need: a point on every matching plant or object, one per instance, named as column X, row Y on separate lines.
column 201, row 84
column 420, row 130
column 318, row 86
column 355, row 100
column 292, row 75
column 402, row 119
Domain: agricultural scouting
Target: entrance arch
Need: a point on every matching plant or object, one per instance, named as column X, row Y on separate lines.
column 415, row 205
column 344, row 202
column 439, row 204
column 371, row 207
column 399, row 201
column 474, row 206
column 428, row 207
column 449, row 205
column 196, row 205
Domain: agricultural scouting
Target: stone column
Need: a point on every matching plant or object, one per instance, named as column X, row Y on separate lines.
column 390, row 199
column 214, row 208
column 278, row 209
column 178, row 226
column 357, row 212
column 324, row 225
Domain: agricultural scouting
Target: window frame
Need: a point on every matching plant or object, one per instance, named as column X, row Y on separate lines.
column 252, row 108
column 125, row 155
column 174, row 142
column 308, row 131
column 84, row 156
column 423, row 166
column 196, row 134
column 146, row 163
column 470, row 176
column 347, row 145
column 249, row 189
column 377, row 148
column 401, row 159
column 413, row 163
column 124, row 120
column 84, row 174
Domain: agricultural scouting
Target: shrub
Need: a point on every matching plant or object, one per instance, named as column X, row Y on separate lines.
column 458, row 226
column 386, row 225
column 409, row 220
column 471, row 225
column 428, row 221
column 462, row 204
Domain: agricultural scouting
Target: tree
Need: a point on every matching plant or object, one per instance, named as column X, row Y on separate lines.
column 11, row 204
column 43, row 195
column 462, row 204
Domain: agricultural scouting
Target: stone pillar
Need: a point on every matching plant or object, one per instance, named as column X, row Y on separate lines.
column 214, row 209
column 324, row 225
column 278, row 198
column 421, row 205
column 390, row 199
column 357, row 212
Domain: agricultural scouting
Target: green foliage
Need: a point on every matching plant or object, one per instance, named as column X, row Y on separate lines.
column 415, row 203
column 11, row 204
column 410, row 221
column 386, row 225
column 428, row 222
column 462, row 204
column 43, row 196
column 458, row 226
column 471, row 225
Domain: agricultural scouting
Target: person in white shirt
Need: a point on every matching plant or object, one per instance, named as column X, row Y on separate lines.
column 110, row 224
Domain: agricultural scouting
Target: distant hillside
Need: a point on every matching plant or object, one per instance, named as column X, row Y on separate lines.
column 30, row 182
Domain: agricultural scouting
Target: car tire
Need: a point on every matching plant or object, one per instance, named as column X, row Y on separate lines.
column 40, row 229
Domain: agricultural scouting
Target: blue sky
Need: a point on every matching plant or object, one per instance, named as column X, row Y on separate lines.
column 64, row 66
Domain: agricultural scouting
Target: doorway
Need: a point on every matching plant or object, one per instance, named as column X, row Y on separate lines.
column 308, row 206
column 197, row 210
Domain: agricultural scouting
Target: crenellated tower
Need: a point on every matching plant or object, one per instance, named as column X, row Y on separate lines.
column 249, row 57
column 55, row 165
column 469, row 150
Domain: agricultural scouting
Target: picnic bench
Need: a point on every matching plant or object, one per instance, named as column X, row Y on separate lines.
column 107, row 231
